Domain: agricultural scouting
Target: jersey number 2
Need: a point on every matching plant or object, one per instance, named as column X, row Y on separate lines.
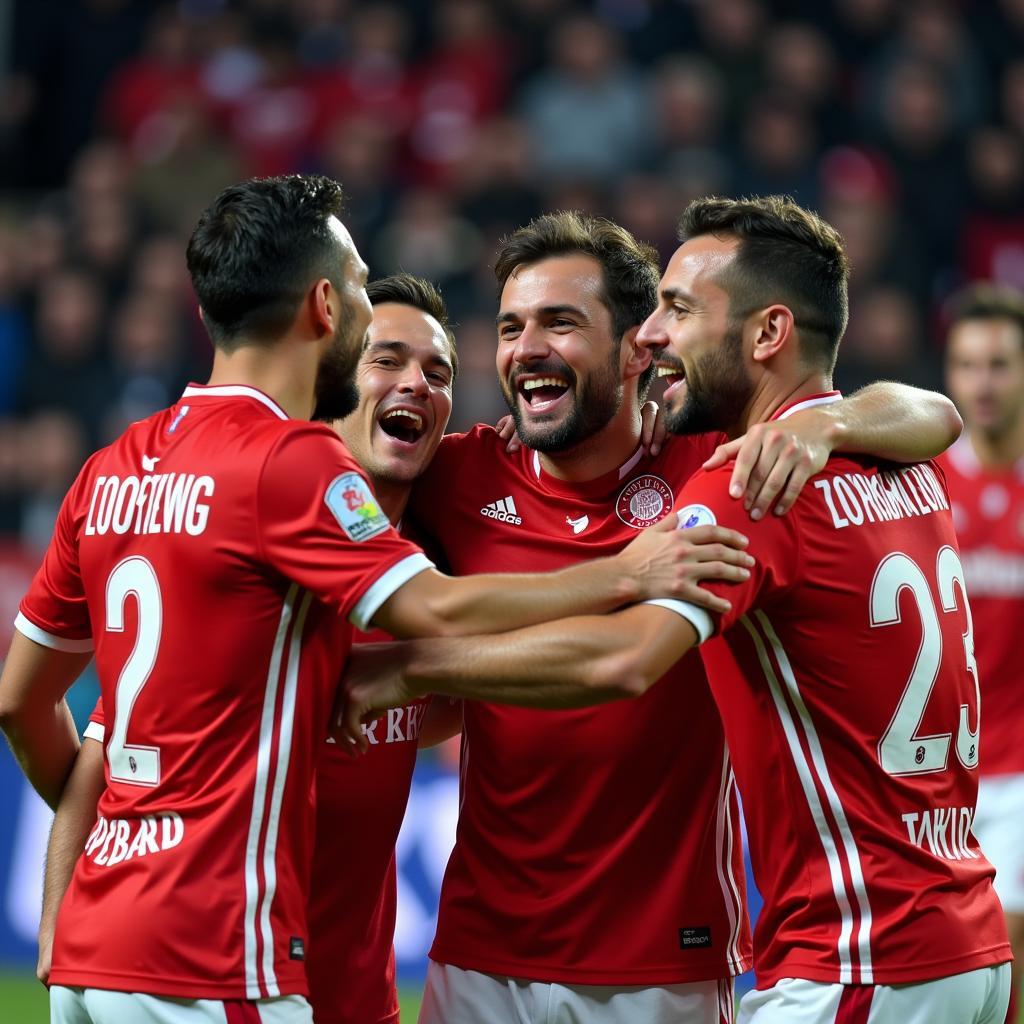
column 901, row 751
column 136, row 765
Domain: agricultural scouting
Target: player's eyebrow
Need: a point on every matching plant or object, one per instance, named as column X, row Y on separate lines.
column 677, row 295
column 545, row 311
column 404, row 349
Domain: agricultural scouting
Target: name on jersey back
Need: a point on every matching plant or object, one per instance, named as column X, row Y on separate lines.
column 154, row 503
column 853, row 498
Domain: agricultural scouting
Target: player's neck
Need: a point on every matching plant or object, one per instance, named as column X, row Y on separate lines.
column 775, row 393
column 1001, row 450
column 600, row 453
column 393, row 497
column 271, row 370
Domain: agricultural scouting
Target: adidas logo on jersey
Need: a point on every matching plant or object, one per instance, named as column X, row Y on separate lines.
column 504, row 510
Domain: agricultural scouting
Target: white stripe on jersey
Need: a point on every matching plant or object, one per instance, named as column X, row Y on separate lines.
column 833, row 855
column 853, row 863
column 235, row 391
column 726, row 1000
column 284, row 753
column 724, row 850
column 259, row 799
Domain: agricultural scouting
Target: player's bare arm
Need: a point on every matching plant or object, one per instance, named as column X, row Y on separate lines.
column 75, row 817
column 660, row 562
column 892, row 421
column 573, row 662
column 442, row 721
column 34, row 715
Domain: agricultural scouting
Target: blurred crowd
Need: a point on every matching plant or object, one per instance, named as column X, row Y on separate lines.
column 450, row 123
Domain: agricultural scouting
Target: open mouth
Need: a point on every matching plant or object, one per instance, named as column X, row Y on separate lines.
column 673, row 376
column 403, row 425
column 541, row 393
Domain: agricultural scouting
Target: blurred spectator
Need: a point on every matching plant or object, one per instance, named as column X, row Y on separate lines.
column 147, row 368
column 587, row 112
column 885, row 338
column 462, row 82
column 917, row 130
column 146, row 87
column 13, row 333
column 778, row 147
column 64, row 371
column 52, row 451
column 732, row 33
column 687, row 100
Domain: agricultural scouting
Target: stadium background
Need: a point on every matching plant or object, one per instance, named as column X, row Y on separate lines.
column 449, row 124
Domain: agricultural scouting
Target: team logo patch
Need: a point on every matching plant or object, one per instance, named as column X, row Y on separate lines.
column 352, row 503
column 644, row 501
column 696, row 515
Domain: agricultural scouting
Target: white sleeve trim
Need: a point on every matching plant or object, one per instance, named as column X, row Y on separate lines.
column 699, row 618
column 95, row 731
column 398, row 575
column 59, row 643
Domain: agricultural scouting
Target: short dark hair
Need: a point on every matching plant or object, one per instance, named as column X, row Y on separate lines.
column 988, row 301
column 630, row 270
column 257, row 248
column 419, row 293
column 786, row 254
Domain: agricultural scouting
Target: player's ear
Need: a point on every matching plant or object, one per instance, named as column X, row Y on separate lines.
column 771, row 330
column 323, row 304
column 638, row 357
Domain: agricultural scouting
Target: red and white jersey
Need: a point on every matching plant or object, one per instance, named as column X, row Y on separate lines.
column 988, row 514
column 597, row 846
column 845, row 677
column 211, row 555
column 360, row 803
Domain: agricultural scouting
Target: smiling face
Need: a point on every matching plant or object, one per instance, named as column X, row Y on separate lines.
column 559, row 363
column 697, row 342
column 404, row 378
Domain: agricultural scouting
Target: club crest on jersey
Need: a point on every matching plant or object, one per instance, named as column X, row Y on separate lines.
column 644, row 501
column 352, row 503
column 696, row 515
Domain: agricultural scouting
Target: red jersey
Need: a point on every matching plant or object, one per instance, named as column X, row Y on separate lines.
column 211, row 555
column 353, row 899
column 988, row 514
column 360, row 803
column 845, row 676
column 596, row 846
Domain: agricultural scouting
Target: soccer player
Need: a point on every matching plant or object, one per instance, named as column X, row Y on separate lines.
column 843, row 670
column 597, row 867
column 211, row 556
column 985, row 474
column 405, row 377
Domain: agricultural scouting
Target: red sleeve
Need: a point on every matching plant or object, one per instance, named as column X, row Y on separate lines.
column 774, row 544
column 320, row 525
column 54, row 612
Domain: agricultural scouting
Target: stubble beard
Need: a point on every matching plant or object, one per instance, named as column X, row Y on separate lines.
column 718, row 390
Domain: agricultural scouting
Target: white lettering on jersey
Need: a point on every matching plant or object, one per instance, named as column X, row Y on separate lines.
column 119, row 839
column 944, row 830
column 853, row 498
column 156, row 503
column 402, row 725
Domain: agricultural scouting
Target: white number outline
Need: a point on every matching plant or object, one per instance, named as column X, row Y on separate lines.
column 134, row 764
column 900, row 747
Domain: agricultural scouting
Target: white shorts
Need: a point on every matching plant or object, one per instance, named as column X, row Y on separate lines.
column 456, row 996
column 100, row 1006
column 999, row 828
column 977, row 997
